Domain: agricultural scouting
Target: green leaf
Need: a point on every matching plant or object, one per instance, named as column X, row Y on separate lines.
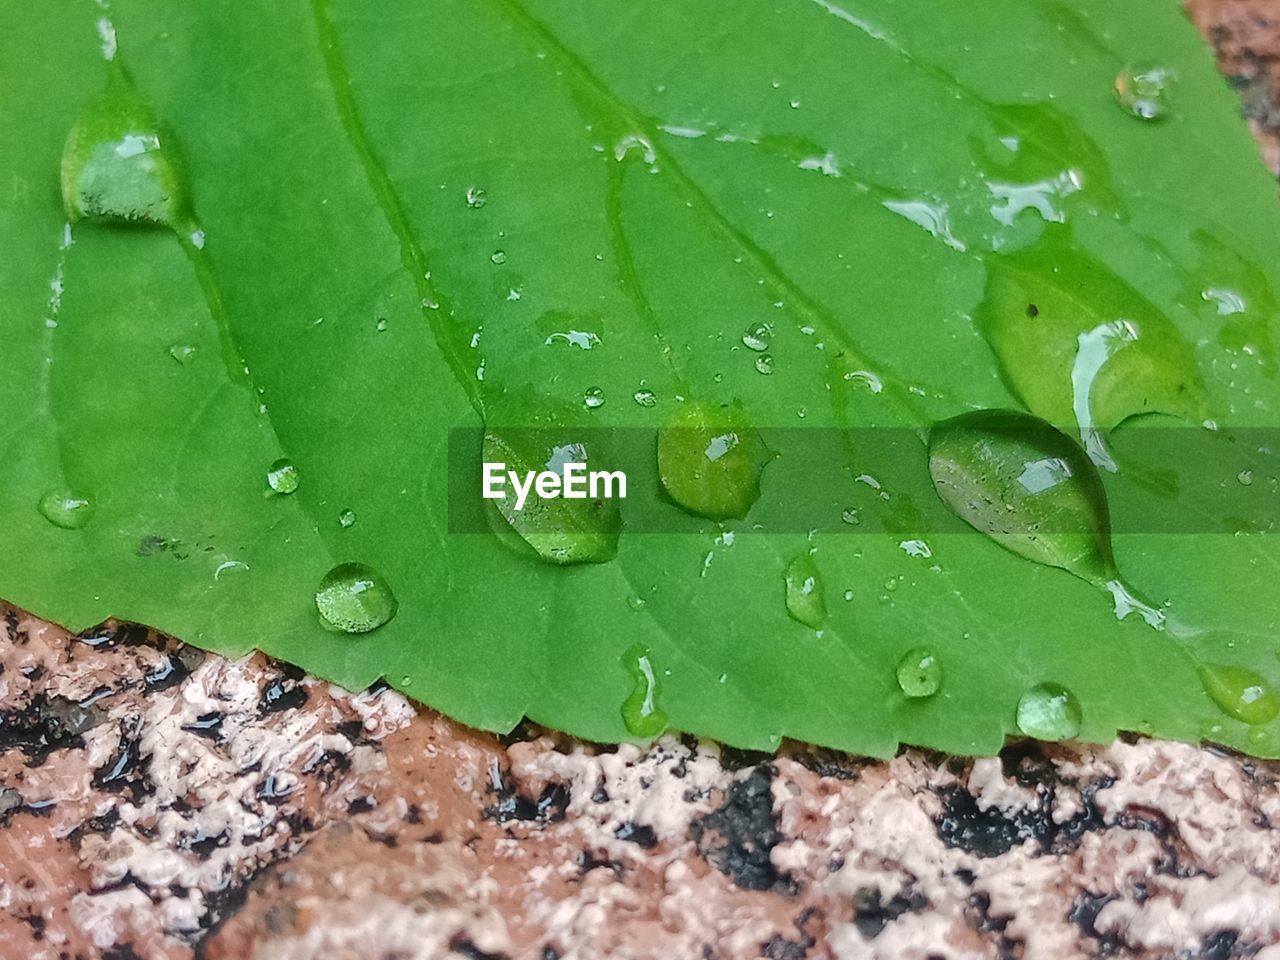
column 819, row 226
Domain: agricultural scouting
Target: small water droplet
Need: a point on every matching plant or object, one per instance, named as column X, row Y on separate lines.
column 640, row 711
column 406, row 681
column 872, row 382
column 764, row 364
column 593, row 397
column 354, row 598
column 851, row 516
column 382, row 324
column 66, row 509
column 498, row 256
column 1049, row 711
column 848, row 596
column 636, row 603
column 346, row 518
column 1146, row 90
column 756, row 337
column 646, row 398
column 182, row 352
column 476, row 197
column 804, row 594
column 283, row 477
column 919, row 673
column 1245, row 477
column 1240, row 693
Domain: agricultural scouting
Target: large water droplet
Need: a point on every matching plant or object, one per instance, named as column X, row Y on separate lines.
column 764, row 364
column 1146, row 90
column 498, row 256
column 558, row 529
column 805, row 601
column 646, row 398
column 756, row 337
column 283, row 476
column 710, row 461
column 354, row 598
column 919, row 673
column 1240, row 693
column 118, row 165
column 346, row 518
column 593, row 398
column 640, row 711
column 1049, row 711
column 1027, row 486
column 66, row 509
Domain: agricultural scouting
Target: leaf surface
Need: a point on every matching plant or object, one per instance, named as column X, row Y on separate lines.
column 407, row 218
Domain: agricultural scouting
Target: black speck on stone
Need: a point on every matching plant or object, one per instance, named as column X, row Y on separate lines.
column 1226, row 945
column 984, row 833
column 733, row 759
column 871, row 915
column 463, row 947
column 45, row 724
column 360, row 805
column 737, row 837
column 125, row 773
column 170, row 672
column 120, row 951
column 106, row 635
column 550, row 953
column 207, row 725
column 638, row 833
column 549, row 807
column 281, row 694
column 1084, row 914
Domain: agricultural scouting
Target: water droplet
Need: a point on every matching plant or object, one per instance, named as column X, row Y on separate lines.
column 593, row 397
column 636, row 603
column 919, row 673
column 1049, row 711
column 646, row 398
column 872, row 382
column 756, row 337
column 559, row 529
column 640, row 711
column 66, row 509
column 1027, row 486
column 1146, row 90
column 710, row 461
column 354, row 598
column 118, row 165
column 582, row 339
column 498, row 256
column 382, row 324
column 476, row 197
column 764, row 364
column 916, row 548
column 283, row 477
column 1245, row 477
column 848, row 596
column 1240, row 693
column 851, row 516
column 182, row 352
column 346, row 518
column 804, row 594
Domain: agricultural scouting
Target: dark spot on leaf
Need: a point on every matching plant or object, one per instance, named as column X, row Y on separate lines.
column 1033, row 311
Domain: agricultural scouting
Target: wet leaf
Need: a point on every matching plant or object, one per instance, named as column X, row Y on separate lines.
column 831, row 220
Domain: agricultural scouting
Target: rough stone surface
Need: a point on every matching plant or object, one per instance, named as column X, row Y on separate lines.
column 160, row 804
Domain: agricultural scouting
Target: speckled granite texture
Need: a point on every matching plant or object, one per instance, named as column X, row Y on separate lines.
column 157, row 803
column 161, row 803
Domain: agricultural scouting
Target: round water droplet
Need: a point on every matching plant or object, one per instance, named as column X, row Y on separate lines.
column 66, row 509
column 804, row 596
column 498, row 256
column 283, row 476
column 636, row 603
column 476, row 198
column 1245, row 477
column 710, row 461
column 1049, row 711
column 756, row 337
column 848, row 596
column 640, row 711
column 593, row 397
column 919, row 673
column 1146, row 90
column 382, row 324
column 346, row 518
column 851, row 516
column 646, row 398
column 764, row 364
column 1240, row 693
column 182, row 352
column 353, row 598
